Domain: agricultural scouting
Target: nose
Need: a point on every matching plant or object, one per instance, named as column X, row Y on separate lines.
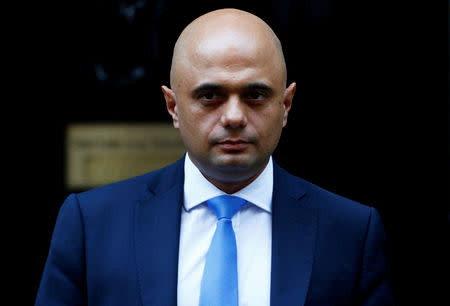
column 234, row 114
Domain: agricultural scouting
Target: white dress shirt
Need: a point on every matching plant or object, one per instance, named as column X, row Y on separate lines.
column 252, row 225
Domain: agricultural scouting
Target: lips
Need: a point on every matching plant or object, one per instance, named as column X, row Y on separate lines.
column 234, row 144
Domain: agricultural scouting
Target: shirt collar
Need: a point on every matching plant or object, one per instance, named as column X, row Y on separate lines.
column 197, row 189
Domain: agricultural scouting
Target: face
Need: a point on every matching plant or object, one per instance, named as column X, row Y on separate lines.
column 230, row 105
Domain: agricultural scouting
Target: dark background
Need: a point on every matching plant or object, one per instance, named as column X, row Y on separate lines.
column 359, row 125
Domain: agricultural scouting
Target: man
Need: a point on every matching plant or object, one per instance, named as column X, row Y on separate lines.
column 161, row 238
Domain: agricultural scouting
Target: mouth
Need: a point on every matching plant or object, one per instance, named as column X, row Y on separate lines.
column 234, row 145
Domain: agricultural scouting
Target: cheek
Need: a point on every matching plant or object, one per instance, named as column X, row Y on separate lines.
column 269, row 125
column 195, row 125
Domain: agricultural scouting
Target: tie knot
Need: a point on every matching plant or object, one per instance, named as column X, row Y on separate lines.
column 225, row 206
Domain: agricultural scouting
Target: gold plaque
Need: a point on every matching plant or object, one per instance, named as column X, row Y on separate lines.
column 98, row 153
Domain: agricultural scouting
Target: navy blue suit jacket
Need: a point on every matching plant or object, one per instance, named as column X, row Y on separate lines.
column 118, row 245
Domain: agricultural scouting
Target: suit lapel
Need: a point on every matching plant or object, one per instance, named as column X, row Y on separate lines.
column 157, row 228
column 294, row 229
column 157, row 234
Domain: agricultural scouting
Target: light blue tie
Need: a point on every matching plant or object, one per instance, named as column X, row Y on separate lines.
column 220, row 279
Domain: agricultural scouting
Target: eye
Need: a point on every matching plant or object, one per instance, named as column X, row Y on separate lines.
column 207, row 96
column 255, row 95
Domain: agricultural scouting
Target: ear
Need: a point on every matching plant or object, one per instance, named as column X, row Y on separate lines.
column 287, row 102
column 171, row 104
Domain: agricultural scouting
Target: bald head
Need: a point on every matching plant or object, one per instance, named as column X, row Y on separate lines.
column 229, row 98
column 233, row 36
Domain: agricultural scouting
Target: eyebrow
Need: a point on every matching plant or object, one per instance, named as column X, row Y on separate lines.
column 214, row 87
column 259, row 86
column 206, row 87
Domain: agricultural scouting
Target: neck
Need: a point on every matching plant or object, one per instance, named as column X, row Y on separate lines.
column 228, row 179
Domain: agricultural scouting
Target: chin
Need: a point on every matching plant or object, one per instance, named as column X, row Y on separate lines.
column 238, row 162
column 232, row 161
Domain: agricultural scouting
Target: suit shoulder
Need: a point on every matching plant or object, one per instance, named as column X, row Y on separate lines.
column 315, row 196
column 129, row 190
column 128, row 186
column 338, row 213
column 331, row 199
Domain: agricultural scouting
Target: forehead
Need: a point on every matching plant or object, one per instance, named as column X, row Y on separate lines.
column 231, row 57
column 230, row 44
